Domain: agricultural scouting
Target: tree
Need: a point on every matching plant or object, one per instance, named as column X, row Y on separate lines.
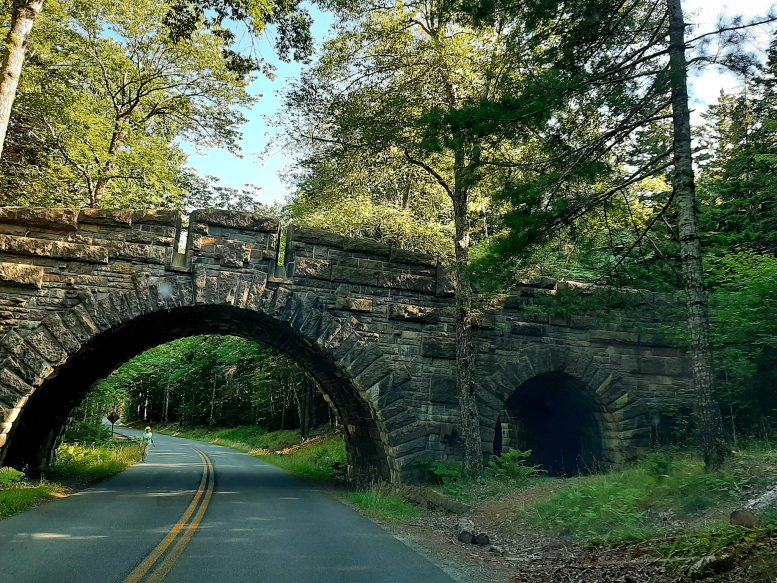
column 23, row 16
column 397, row 81
column 713, row 440
column 182, row 20
column 104, row 101
column 633, row 51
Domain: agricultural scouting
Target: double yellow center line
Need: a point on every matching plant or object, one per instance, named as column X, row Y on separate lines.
column 158, row 563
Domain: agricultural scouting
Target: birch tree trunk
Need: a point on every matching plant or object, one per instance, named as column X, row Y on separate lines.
column 713, row 441
column 22, row 19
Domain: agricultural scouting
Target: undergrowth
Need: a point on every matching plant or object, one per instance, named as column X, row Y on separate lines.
column 384, row 504
column 655, row 497
column 324, row 459
column 77, row 466
column 321, row 458
column 506, row 473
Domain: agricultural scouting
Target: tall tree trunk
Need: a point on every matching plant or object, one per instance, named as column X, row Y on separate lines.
column 101, row 184
column 24, row 14
column 465, row 346
column 713, row 441
column 167, row 401
column 212, row 402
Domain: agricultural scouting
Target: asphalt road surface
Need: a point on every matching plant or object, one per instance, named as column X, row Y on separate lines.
column 194, row 513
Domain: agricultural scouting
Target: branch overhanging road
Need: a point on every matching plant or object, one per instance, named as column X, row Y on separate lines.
column 195, row 512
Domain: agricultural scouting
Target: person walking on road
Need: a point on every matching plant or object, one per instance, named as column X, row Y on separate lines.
column 148, row 439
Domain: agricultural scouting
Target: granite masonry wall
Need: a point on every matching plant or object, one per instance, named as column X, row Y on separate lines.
column 81, row 291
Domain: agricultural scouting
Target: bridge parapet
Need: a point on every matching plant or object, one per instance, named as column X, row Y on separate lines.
column 318, row 255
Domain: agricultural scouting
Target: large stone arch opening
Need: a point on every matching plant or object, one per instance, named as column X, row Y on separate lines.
column 557, row 418
column 34, row 433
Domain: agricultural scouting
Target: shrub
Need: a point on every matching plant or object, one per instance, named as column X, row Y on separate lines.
column 513, row 466
column 448, row 472
column 10, row 476
column 87, row 432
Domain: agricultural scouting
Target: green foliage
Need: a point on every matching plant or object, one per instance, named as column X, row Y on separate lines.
column 244, row 438
column 211, row 380
column 91, row 463
column 642, row 501
column 77, row 466
column 105, row 100
column 87, row 432
column 9, row 476
column 447, row 472
column 513, row 466
column 384, row 504
column 323, row 460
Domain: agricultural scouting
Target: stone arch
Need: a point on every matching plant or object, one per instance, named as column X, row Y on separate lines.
column 616, row 415
column 46, row 370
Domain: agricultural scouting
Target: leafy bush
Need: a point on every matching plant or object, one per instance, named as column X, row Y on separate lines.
column 87, row 432
column 80, row 462
column 513, row 466
column 447, row 472
column 10, row 476
column 658, row 465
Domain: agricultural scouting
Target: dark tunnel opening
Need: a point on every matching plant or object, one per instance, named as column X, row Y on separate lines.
column 554, row 417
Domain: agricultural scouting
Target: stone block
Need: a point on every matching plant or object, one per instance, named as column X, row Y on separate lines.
column 312, row 268
column 53, row 249
column 366, row 246
column 54, row 219
column 109, row 218
column 315, row 236
column 233, row 254
column 439, row 348
column 406, row 281
column 355, row 275
column 157, row 217
column 21, row 274
column 412, row 257
column 235, row 220
column 527, row 329
column 412, row 313
column 442, row 389
column 354, row 304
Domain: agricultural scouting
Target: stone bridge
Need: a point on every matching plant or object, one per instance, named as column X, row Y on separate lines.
column 82, row 291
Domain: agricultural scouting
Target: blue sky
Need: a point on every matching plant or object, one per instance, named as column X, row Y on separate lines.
column 265, row 168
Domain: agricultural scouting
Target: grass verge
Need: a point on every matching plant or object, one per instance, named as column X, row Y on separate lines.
column 77, row 467
column 383, row 504
column 665, row 493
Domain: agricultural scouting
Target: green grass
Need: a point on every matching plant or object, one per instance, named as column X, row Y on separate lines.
column 23, row 496
column 77, row 467
column 652, row 498
column 384, row 505
column 323, row 460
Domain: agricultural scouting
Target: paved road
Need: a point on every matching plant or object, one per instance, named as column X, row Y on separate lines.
column 201, row 513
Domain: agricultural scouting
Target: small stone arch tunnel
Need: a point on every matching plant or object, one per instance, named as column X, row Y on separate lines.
column 82, row 291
